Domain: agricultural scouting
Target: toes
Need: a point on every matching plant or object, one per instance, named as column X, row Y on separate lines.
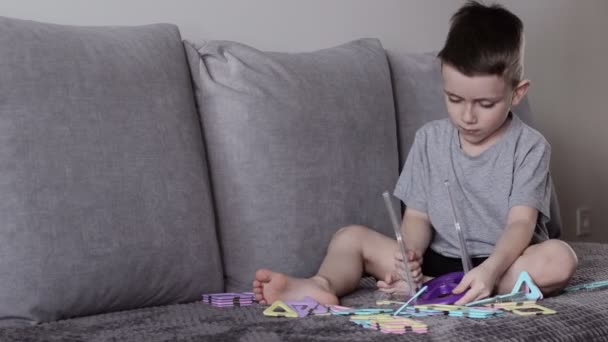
column 387, row 289
column 381, row 284
column 263, row 275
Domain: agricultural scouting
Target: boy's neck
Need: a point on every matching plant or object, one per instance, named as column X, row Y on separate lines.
column 474, row 150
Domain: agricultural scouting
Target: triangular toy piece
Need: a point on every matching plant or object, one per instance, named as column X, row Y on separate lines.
column 303, row 307
column 280, row 309
column 533, row 292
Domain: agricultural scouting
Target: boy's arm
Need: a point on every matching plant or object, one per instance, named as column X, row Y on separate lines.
column 417, row 234
column 514, row 240
column 521, row 223
column 416, row 230
column 530, row 197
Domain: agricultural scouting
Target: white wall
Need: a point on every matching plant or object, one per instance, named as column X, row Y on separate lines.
column 566, row 49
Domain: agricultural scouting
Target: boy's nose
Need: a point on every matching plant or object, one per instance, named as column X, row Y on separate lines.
column 468, row 116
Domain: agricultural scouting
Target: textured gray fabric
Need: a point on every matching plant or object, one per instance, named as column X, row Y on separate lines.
column 104, row 198
column 299, row 145
column 514, row 171
column 581, row 316
column 419, row 98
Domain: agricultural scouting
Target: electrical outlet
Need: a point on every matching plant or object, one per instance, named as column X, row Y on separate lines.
column 583, row 221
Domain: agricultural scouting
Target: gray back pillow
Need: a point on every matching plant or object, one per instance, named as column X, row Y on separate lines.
column 299, row 145
column 419, row 98
column 104, row 196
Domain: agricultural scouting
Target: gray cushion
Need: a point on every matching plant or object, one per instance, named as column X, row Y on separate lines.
column 419, row 98
column 104, row 198
column 299, row 145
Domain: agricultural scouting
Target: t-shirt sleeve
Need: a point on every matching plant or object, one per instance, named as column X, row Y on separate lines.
column 412, row 183
column 532, row 180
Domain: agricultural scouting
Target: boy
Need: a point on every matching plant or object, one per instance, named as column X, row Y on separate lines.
column 498, row 172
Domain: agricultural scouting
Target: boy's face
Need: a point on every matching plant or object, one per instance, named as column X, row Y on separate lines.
column 479, row 105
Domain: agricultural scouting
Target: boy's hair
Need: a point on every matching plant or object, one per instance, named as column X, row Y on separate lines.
column 485, row 40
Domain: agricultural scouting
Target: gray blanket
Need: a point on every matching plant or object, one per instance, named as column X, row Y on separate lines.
column 582, row 316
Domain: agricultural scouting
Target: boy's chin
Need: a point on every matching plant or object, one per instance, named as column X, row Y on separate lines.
column 475, row 140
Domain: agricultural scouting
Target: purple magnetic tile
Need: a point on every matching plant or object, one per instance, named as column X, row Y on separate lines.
column 303, row 307
column 440, row 289
column 320, row 309
column 231, row 304
column 306, row 301
column 230, row 300
column 230, row 295
column 225, row 305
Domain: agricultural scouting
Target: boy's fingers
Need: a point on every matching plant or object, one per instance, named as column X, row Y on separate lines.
column 391, row 277
column 417, row 273
column 396, row 276
column 414, row 255
column 471, row 295
column 462, row 286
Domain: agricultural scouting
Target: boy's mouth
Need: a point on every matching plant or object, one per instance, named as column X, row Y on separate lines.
column 469, row 131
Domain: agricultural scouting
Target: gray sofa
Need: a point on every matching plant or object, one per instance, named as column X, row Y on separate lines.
column 139, row 171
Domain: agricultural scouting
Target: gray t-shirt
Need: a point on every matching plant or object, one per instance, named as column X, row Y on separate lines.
column 513, row 171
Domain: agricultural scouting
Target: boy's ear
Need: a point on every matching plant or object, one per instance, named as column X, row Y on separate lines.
column 520, row 91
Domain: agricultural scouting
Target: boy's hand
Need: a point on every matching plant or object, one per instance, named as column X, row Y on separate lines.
column 480, row 281
column 396, row 280
column 414, row 262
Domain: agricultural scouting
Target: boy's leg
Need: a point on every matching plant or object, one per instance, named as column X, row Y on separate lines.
column 550, row 263
column 352, row 251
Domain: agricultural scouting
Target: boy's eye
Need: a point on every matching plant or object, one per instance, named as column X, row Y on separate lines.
column 454, row 100
column 486, row 104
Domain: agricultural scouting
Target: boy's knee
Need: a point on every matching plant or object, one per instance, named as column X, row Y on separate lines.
column 563, row 258
column 351, row 230
column 350, row 234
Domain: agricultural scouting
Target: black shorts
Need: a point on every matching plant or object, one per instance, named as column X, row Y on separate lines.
column 435, row 264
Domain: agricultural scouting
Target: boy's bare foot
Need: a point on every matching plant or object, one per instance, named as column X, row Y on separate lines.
column 269, row 286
